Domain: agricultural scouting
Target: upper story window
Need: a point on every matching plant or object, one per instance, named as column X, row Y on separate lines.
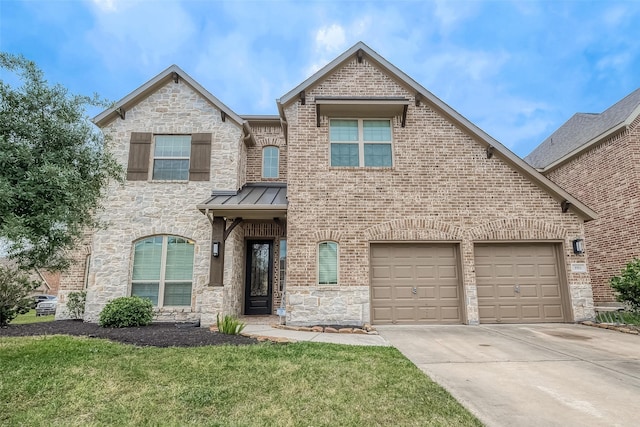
column 360, row 142
column 171, row 157
column 270, row 162
column 163, row 270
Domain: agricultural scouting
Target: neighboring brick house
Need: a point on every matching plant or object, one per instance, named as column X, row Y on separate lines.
column 366, row 199
column 48, row 281
column 596, row 157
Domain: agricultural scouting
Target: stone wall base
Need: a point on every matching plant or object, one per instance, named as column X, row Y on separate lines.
column 333, row 305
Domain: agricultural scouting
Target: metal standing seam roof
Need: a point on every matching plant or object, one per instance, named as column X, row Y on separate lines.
column 581, row 129
column 262, row 196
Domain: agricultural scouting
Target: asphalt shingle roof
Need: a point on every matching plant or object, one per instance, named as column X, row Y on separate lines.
column 580, row 129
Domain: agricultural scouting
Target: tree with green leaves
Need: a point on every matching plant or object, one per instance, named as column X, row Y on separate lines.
column 54, row 164
column 15, row 288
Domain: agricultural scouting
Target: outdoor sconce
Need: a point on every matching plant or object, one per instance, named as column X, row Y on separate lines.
column 215, row 249
column 578, row 246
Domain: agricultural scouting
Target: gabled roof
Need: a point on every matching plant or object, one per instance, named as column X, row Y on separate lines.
column 427, row 97
column 583, row 130
column 172, row 73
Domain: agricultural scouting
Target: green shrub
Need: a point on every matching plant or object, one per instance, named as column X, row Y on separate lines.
column 15, row 287
column 75, row 304
column 125, row 312
column 627, row 285
column 229, row 325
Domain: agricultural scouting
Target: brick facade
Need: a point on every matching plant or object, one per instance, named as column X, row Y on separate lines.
column 442, row 187
column 607, row 178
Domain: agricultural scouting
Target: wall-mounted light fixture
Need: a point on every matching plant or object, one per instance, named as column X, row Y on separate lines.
column 578, row 246
column 215, row 249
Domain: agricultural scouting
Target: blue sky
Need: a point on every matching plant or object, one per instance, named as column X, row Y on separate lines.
column 518, row 69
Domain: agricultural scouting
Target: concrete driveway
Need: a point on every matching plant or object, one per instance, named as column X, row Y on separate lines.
column 530, row 375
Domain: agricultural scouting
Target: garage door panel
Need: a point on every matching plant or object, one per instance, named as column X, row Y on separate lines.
column 531, row 312
column 505, row 291
column 430, row 269
column 381, row 293
column 527, row 270
column 381, row 272
column 402, row 272
column 383, row 313
column 533, row 268
column 529, row 291
column 488, row 311
column 427, row 292
column 550, row 291
column 449, row 293
column 483, row 270
column 427, row 314
column 405, row 314
column 485, row 291
column 447, row 272
column 508, row 312
column 545, row 270
column 552, row 312
column 425, row 272
column 403, row 292
column 450, row 314
column 503, row 270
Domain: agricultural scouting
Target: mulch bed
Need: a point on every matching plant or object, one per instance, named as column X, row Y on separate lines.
column 155, row 335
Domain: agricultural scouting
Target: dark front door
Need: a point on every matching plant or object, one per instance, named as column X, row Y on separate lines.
column 258, row 286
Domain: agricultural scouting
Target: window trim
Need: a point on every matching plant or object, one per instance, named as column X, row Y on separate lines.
column 153, row 157
column 337, row 263
column 361, row 142
column 277, row 148
column 163, row 264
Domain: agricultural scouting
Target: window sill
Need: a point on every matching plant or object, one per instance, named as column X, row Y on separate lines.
column 173, row 308
column 168, row 181
column 362, row 168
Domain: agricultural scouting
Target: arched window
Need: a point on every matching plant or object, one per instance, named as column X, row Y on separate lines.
column 163, row 270
column 328, row 263
column 270, row 162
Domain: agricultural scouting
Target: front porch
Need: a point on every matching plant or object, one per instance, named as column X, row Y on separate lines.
column 248, row 253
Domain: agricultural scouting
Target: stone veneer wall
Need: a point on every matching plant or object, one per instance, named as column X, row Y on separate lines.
column 139, row 209
column 441, row 187
column 607, row 178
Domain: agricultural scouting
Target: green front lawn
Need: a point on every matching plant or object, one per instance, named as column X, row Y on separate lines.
column 61, row 380
column 30, row 317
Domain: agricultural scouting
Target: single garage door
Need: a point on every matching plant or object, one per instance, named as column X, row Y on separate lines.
column 518, row 283
column 415, row 284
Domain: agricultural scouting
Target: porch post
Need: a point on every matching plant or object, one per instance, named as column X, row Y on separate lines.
column 216, row 271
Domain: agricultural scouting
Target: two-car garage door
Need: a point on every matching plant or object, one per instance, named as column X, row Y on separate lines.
column 413, row 283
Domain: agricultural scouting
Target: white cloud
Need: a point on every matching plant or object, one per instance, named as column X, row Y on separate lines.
column 330, row 39
column 615, row 16
column 140, row 35
column 106, row 5
column 449, row 14
column 614, row 61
